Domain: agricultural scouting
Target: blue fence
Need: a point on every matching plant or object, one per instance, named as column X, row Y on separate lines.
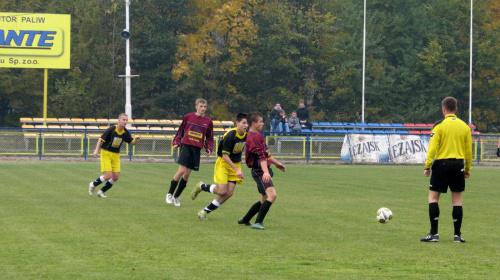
column 305, row 146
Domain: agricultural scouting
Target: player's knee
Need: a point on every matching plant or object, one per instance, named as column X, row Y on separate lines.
column 220, row 191
column 271, row 197
column 180, row 171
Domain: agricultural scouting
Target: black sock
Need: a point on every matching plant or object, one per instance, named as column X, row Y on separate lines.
column 434, row 216
column 210, row 208
column 173, row 185
column 263, row 211
column 182, row 186
column 252, row 211
column 457, row 215
column 106, row 187
column 205, row 187
column 97, row 181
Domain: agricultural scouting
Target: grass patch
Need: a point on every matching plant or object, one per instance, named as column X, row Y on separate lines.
column 322, row 226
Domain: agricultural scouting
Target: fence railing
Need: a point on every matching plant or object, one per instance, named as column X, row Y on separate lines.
column 158, row 144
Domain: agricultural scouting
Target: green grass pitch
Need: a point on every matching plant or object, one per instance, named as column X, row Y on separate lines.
column 322, row 225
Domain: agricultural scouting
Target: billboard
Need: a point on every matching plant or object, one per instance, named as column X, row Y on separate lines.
column 375, row 148
column 35, row 40
column 365, row 148
column 408, row 148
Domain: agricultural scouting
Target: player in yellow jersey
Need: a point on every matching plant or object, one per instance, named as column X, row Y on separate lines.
column 449, row 156
column 227, row 170
column 110, row 142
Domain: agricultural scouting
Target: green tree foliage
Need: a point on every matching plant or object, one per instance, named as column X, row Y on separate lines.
column 209, row 58
column 156, row 27
column 486, row 87
column 245, row 55
column 293, row 56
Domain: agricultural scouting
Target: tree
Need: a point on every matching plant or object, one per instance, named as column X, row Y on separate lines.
column 244, row 55
column 486, row 78
column 221, row 41
column 158, row 25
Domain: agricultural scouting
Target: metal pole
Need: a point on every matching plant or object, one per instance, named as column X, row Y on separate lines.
column 364, row 62
column 470, row 69
column 45, row 91
column 128, row 104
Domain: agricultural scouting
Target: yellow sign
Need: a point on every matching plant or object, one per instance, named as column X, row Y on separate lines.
column 35, row 40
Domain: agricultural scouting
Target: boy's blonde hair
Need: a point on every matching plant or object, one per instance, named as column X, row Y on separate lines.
column 200, row 100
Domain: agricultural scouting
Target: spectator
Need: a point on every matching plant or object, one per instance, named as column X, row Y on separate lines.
column 303, row 115
column 282, row 122
column 273, row 116
column 293, row 123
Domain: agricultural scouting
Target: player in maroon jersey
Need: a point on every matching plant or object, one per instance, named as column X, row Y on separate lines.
column 196, row 132
column 259, row 159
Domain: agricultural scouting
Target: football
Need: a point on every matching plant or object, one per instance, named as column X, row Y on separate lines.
column 384, row 215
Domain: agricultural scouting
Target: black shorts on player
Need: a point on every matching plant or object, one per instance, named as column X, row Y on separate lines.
column 447, row 172
column 257, row 176
column 190, row 157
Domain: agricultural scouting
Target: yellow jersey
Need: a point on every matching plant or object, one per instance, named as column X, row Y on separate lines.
column 450, row 139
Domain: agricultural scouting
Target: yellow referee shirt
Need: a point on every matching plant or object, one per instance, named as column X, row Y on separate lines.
column 450, row 139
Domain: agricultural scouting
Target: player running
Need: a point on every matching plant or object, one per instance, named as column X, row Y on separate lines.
column 195, row 132
column 227, row 170
column 110, row 142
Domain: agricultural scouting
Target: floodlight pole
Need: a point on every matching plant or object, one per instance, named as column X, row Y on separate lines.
column 364, row 62
column 128, row 104
column 470, row 66
column 125, row 34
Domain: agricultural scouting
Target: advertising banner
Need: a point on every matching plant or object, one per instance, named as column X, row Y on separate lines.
column 408, row 148
column 365, row 148
column 375, row 148
column 35, row 40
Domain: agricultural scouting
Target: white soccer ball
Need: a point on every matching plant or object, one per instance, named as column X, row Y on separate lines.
column 384, row 215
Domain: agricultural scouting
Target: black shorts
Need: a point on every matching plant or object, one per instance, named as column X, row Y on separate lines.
column 447, row 172
column 257, row 176
column 190, row 157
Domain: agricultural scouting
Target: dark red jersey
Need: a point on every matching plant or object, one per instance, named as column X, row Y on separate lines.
column 256, row 150
column 197, row 131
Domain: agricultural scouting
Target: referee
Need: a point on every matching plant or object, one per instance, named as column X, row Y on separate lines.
column 450, row 147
